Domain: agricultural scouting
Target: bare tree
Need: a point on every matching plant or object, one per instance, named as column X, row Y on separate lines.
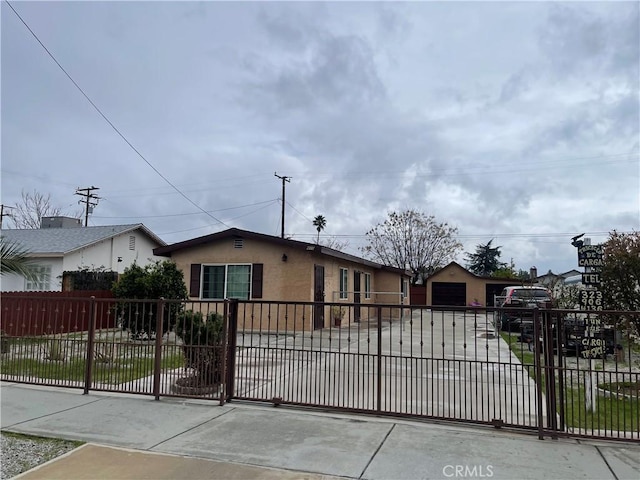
column 32, row 208
column 335, row 243
column 412, row 240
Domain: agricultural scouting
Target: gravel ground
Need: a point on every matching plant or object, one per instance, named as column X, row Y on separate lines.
column 20, row 453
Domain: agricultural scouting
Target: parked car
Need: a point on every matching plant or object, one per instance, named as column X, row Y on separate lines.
column 524, row 298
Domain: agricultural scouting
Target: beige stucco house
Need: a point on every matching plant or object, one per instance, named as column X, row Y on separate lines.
column 252, row 266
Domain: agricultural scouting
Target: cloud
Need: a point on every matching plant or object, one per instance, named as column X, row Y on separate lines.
column 512, row 119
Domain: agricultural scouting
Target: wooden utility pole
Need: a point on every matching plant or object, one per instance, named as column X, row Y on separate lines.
column 90, row 200
column 284, row 180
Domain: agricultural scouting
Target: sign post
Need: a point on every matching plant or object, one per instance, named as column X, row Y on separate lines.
column 593, row 344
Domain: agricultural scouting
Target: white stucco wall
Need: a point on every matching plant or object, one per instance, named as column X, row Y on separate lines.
column 103, row 254
column 16, row 283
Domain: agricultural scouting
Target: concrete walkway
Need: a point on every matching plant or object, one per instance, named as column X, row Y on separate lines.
column 178, row 438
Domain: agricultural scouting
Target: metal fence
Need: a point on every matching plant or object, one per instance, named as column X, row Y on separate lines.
column 554, row 372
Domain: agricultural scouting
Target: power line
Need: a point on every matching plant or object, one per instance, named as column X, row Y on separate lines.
column 109, row 121
column 235, row 218
column 270, row 201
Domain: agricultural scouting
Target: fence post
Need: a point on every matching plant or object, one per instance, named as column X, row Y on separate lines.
column 538, row 368
column 560, row 342
column 157, row 366
column 231, row 343
column 379, row 358
column 88, row 368
column 550, row 372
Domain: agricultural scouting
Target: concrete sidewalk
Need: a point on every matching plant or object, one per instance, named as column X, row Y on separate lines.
column 179, row 438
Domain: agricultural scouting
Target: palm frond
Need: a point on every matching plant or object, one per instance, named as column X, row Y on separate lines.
column 14, row 259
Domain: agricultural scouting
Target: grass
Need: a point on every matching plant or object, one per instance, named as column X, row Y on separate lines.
column 612, row 413
column 128, row 366
column 36, row 439
column 521, row 351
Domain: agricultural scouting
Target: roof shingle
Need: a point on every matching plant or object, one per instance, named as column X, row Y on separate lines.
column 65, row 240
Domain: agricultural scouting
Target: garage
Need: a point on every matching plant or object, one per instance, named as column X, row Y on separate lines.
column 449, row 293
column 494, row 290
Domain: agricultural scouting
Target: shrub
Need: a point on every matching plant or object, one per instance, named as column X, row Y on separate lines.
column 154, row 281
column 202, row 345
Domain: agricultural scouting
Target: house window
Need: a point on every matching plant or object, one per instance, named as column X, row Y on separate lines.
column 42, row 278
column 344, row 283
column 226, row 281
column 132, row 242
column 367, row 285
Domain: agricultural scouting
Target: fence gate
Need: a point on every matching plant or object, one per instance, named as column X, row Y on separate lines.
column 440, row 363
column 591, row 373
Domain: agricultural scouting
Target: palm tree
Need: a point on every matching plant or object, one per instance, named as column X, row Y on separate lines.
column 319, row 222
column 14, row 259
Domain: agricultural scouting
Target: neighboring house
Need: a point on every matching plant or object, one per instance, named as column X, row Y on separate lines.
column 252, row 266
column 70, row 247
column 454, row 285
column 555, row 281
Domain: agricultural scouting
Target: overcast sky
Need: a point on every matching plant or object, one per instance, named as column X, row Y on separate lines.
column 517, row 122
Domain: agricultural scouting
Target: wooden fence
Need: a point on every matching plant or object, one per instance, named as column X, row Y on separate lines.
column 48, row 313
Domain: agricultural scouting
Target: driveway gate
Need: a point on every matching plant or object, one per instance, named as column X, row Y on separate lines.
column 445, row 363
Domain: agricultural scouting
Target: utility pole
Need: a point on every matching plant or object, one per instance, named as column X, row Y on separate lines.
column 2, row 214
column 284, row 180
column 90, row 200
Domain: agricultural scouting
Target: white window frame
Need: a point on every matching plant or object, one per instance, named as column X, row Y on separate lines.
column 344, row 283
column 404, row 288
column 367, row 285
column 42, row 282
column 226, row 276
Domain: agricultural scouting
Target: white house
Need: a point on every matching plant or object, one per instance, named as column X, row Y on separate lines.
column 71, row 247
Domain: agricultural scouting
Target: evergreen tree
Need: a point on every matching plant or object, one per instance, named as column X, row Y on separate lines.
column 485, row 261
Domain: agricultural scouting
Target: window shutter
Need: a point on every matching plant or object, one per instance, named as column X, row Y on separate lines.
column 194, row 284
column 256, row 280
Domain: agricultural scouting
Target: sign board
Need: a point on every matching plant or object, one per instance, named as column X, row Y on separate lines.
column 590, row 256
column 591, row 300
column 591, row 278
column 593, row 345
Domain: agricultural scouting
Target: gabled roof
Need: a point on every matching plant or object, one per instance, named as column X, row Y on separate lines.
column 285, row 242
column 470, row 273
column 61, row 241
column 450, row 266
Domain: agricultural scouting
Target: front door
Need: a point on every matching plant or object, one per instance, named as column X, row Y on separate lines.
column 356, row 296
column 318, row 296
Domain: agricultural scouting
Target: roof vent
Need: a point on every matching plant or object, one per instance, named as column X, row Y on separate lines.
column 238, row 243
